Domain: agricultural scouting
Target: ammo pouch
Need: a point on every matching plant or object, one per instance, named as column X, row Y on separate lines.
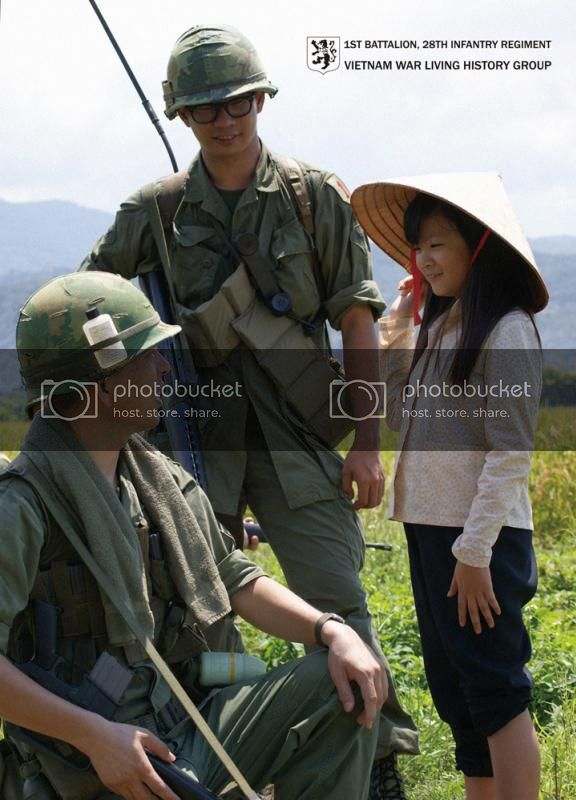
column 302, row 371
column 208, row 328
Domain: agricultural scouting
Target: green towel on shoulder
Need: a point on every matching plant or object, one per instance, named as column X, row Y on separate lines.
column 65, row 470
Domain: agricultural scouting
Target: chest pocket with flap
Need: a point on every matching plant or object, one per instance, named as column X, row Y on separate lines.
column 292, row 253
column 198, row 263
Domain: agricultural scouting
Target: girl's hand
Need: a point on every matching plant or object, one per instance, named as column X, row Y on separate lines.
column 473, row 585
column 402, row 305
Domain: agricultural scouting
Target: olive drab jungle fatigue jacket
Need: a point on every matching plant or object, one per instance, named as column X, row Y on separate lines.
column 202, row 259
column 33, row 542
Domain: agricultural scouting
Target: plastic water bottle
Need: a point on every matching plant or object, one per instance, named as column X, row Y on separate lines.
column 99, row 327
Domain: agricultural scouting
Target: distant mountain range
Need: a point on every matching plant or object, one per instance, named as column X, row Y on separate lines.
column 43, row 239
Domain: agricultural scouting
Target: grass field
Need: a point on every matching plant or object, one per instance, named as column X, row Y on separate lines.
column 551, row 618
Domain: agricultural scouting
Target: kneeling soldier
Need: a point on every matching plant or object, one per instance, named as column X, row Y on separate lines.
column 85, row 475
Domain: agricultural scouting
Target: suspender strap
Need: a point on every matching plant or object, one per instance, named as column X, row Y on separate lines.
column 159, row 205
column 170, row 196
column 293, row 176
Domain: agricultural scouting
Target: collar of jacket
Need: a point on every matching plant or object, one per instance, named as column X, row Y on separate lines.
column 199, row 187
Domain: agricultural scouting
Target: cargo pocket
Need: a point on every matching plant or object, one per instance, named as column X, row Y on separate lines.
column 292, row 251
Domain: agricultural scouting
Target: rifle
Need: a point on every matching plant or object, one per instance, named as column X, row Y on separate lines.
column 100, row 692
column 182, row 433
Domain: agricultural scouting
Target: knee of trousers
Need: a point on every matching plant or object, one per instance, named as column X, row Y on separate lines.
column 492, row 710
column 320, row 698
column 472, row 753
column 313, row 675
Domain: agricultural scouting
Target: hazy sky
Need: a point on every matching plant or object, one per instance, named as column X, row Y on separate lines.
column 71, row 126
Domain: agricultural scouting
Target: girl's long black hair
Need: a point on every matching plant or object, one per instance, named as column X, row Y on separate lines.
column 497, row 283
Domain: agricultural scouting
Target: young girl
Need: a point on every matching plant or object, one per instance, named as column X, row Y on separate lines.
column 463, row 391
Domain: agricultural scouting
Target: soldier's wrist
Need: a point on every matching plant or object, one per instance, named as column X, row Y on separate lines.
column 327, row 626
column 367, row 435
column 89, row 729
column 363, row 445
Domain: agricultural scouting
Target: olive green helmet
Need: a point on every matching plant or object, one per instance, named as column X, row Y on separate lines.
column 53, row 350
column 209, row 64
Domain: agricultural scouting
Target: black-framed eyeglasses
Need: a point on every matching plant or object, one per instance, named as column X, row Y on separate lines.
column 236, row 107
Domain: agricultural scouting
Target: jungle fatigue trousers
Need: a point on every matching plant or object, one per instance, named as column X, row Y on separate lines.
column 320, row 547
column 287, row 728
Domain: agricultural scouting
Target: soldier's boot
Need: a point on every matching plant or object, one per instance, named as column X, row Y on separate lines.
column 385, row 780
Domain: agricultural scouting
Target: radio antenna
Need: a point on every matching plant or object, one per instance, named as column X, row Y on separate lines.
column 145, row 102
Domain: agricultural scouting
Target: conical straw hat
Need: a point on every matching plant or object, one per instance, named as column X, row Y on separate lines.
column 380, row 209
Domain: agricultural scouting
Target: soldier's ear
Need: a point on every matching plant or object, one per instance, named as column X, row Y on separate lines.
column 259, row 101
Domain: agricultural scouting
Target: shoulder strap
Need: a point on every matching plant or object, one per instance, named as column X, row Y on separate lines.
column 170, row 196
column 295, row 179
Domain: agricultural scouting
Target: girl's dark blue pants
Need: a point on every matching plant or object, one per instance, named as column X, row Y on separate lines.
column 479, row 682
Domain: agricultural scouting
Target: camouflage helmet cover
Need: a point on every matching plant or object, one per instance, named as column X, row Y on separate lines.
column 50, row 340
column 209, row 64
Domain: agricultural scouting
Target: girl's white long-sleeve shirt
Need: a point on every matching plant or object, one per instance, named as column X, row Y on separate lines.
column 463, row 463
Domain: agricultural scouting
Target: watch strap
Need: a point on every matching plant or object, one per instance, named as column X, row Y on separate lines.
column 321, row 621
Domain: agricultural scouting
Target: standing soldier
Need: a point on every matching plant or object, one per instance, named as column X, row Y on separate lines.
column 311, row 263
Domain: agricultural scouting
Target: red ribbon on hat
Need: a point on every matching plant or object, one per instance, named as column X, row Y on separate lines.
column 480, row 245
column 417, row 275
column 416, row 287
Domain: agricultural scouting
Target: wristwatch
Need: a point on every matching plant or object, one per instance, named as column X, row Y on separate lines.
column 321, row 621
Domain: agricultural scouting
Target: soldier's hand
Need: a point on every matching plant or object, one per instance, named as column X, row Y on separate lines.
column 118, row 754
column 363, row 468
column 351, row 660
column 251, row 541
